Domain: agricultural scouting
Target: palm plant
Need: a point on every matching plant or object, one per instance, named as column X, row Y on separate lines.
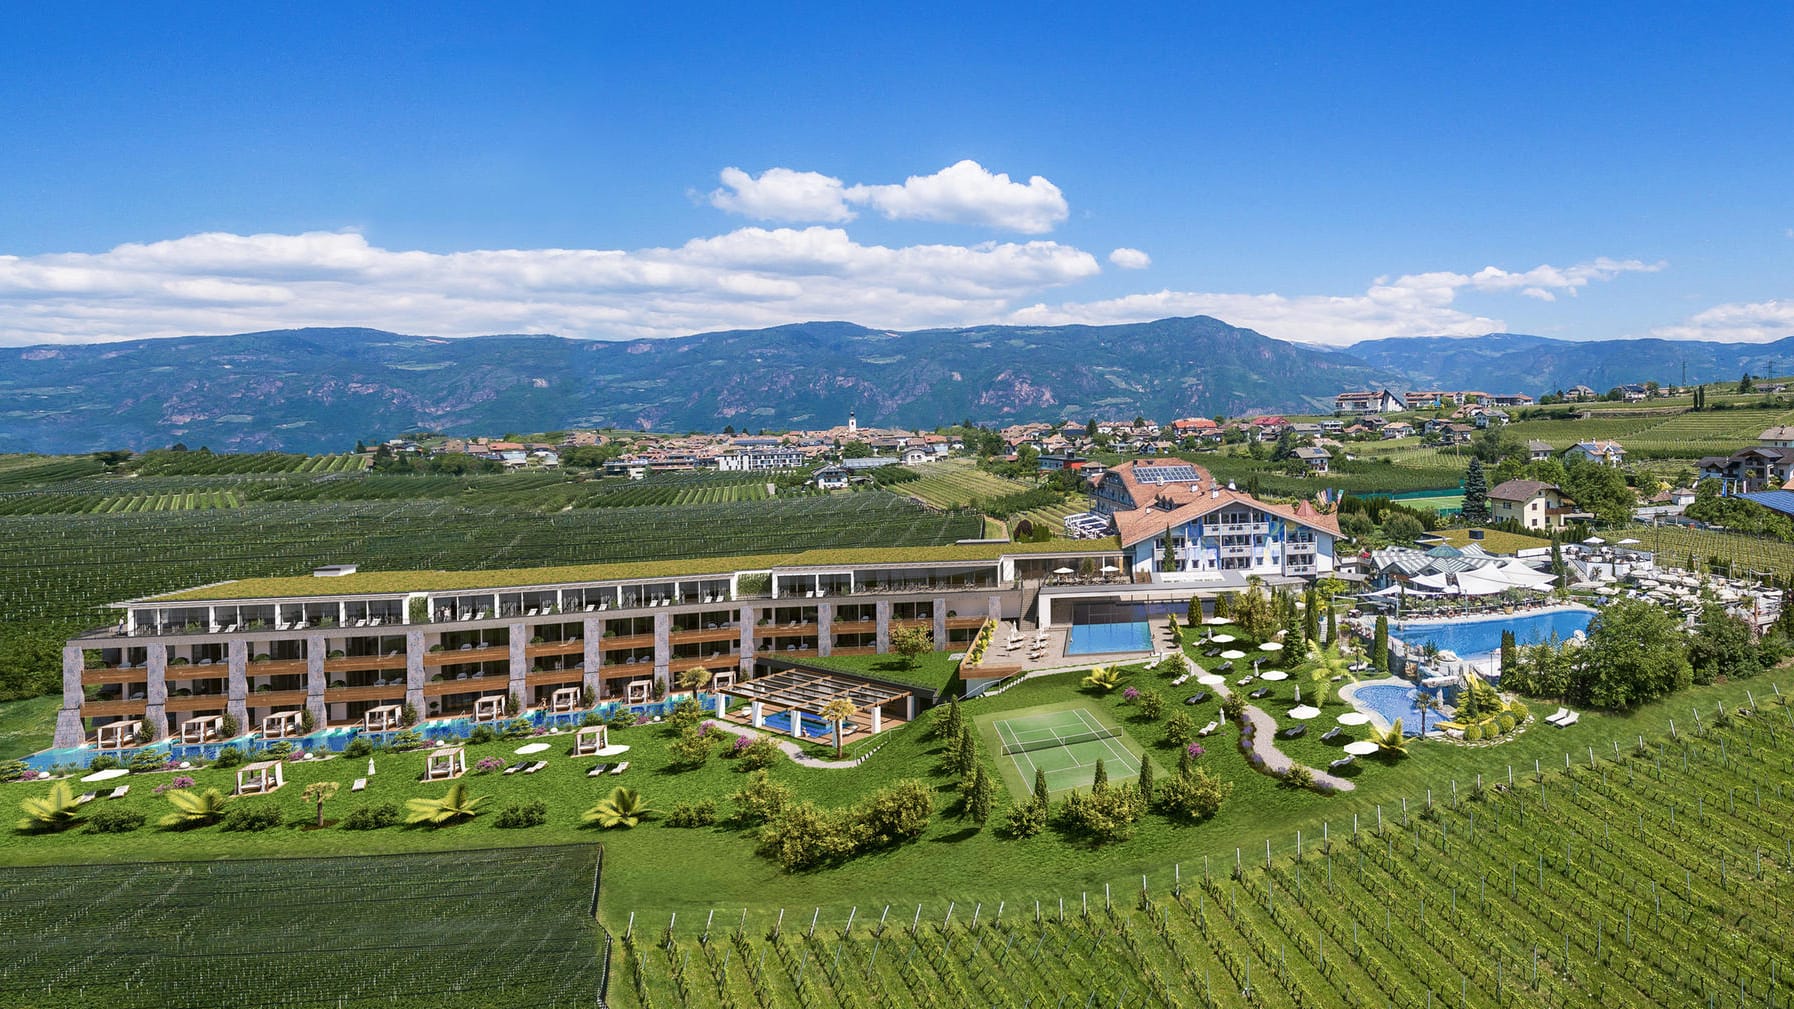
column 837, row 711
column 695, row 678
column 195, row 809
column 1390, row 740
column 623, row 807
column 1424, row 702
column 1104, row 678
column 55, row 811
column 320, row 792
column 456, row 805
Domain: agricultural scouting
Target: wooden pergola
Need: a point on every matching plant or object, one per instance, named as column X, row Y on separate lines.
column 198, row 730
column 489, row 709
column 382, row 718
column 809, row 691
column 282, row 724
column 259, row 778
column 448, row 762
column 590, row 739
column 565, row 699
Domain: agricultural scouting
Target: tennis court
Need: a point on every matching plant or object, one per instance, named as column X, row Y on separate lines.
column 1066, row 745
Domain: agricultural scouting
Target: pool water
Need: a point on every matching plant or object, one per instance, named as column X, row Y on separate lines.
column 1393, row 701
column 1476, row 638
column 814, row 727
column 1096, row 639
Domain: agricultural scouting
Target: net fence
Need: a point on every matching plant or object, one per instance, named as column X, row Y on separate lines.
column 1056, row 741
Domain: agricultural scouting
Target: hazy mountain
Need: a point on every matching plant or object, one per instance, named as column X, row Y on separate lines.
column 1511, row 362
column 321, row 389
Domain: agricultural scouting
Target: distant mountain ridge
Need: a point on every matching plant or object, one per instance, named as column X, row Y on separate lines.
column 322, row 389
column 1515, row 362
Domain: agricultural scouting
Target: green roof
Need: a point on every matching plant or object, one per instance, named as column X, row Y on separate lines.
column 396, row 582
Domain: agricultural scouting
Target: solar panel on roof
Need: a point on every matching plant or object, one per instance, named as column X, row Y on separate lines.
column 1165, row 474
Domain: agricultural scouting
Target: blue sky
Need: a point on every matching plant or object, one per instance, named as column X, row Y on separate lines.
column 1325, row 175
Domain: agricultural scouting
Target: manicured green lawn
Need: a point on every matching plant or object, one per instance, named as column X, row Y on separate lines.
column 933, row 670
column 27, row 726
column 658, row 869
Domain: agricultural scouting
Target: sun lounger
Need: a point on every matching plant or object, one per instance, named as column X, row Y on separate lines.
column 1294, row 732
column 1260, row 693
column 537, row 766
column 87, row 797
column 1557, row 716
column 1345, row 761
column 358, row 785
column 514, row 768
column 1330, row 735
column 119, row 792
column 1209, row 729
column 597, row 770
column 1568, row 720
column 620, row 768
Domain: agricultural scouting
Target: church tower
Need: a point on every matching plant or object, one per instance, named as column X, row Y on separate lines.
column 853, row 424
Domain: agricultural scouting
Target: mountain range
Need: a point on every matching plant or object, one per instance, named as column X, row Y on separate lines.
column 322, row 389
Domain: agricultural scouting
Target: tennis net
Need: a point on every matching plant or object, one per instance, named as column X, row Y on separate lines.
column 1047, row 744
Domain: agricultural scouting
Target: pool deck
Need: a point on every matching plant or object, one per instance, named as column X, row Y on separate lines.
column 1529, row 611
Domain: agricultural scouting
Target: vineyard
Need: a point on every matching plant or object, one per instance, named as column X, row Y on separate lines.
column 957, row 483
column 167, row 463
column 1641, row 873
column 497, row 928
column 65, row 566
column 1674, row 545
column 85, row 504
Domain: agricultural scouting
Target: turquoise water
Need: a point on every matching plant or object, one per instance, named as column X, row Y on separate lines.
column 1476, row 638
column 1393, row 701
column 1095, row 639
column 814, row 727
column 337, row 739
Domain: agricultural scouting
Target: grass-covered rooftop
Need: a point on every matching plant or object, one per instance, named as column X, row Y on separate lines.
column 392, row 582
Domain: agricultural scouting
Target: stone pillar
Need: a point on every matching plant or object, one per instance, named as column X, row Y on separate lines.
column 519, row 687
column 594, row 656
column 414, row 671
column 722, row 705
column 759, row 714
column 317, row 649
column 940, row 623
column 745, row 621
column 155, row 711
column 883, row 610
column 878, row 719
column 70, row 730
column 236, row 689
column 316, row 679
column 825, row 636
column 663, row 651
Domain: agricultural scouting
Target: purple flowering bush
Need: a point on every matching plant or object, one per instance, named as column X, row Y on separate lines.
column 179, row 782
column 1130, row 694
column 1194, row 750
column 487, row 765
column 741, row 743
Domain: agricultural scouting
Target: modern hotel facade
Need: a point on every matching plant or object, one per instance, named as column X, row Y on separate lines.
column 340, row 644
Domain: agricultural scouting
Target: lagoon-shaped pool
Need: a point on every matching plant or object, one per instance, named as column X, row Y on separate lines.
column 1473, row 638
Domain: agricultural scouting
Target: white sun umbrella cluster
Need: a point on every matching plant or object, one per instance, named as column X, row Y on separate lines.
column 1217, row 622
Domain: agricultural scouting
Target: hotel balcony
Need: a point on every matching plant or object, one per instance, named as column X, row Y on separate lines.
column 463, row 656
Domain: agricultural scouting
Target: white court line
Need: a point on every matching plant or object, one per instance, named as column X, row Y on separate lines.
column 1018, row 756
column 1126, row 759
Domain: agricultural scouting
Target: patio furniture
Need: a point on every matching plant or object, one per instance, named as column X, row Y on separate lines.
column 597, row 769
column 259, row 778
column 1345, row 761
column 1260, row 693
column 86, row 797
column 1557, row 716
column 1568, row 720
column 119, row 792
column 1331, row 734
column 358, row 785
column 1294, row 732
column 1209, row 729
column 620, row 768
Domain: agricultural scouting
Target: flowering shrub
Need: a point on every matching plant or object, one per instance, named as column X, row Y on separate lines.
column 1130, row 694
column 30, row 775
column 1194, row 749
column 741, row 743
column 704, row 729
column 487, row 765
column 642, row 720
column 182, row 781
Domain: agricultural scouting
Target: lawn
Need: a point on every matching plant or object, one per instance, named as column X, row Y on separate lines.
column 1494, row 540
column 661, row 869
column 931, row 670
column 27, row 726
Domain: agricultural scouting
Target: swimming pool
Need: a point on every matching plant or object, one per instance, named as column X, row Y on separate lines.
column 1476, row 638
column 1393, row 701
column 1095, row 639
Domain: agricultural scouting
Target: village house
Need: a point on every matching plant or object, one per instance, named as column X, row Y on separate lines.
column 1533, row 504
column 1607, row 453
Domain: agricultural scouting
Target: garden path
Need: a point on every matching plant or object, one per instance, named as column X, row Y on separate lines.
column 792, row 750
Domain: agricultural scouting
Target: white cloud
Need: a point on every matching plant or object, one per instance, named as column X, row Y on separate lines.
column 963, row 193
column 1130, row 259
column 780, row 194
column 226, row 283
column 1751, row 322
column 1420, row 304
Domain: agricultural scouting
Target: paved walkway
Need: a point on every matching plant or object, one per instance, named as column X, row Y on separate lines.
column 797, row 753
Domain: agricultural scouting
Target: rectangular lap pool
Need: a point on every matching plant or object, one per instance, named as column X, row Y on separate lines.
column 1096, row 639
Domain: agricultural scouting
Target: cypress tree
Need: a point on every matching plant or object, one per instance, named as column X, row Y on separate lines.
column 1332, row 623
column 1099, row 780
column 1311, row 615
column 1185, row 762
column 965, row 756
column 1146, row 779
column 1379, row 644
column 1040, row 788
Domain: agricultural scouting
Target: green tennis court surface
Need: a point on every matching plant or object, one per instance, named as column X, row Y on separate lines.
column 1066, row 745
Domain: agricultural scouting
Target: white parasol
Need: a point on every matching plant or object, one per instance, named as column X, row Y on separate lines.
column 1354, row 718
column 1361, row 748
